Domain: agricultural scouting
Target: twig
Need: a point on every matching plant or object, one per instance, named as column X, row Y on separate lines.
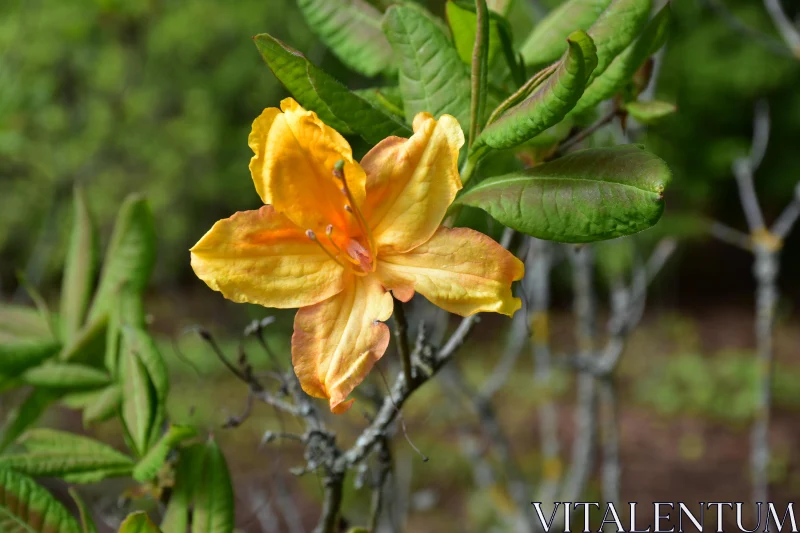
column 401, row 338
column 332, row 502
column 745, row 167
column 731, row 236
column 787, row 219
column 572, row 140
column 384, row 468
column 786, row 28
column 767, row 41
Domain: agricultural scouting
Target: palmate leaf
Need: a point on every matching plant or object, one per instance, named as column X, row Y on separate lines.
column 585, row 196
column 548, row 104
column 138, row 522
column 130, row 257
column 352, row 30
column 213, row 497
column 432, row 76
column 76, row 288
column 548, row 40
column 623, row 67
column 27, row 507
column 74, row 458
column 334, row 103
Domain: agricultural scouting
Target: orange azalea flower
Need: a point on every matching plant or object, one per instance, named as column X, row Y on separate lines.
column 336, row 236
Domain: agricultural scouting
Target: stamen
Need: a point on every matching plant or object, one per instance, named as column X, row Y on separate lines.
column 311, row 235
column 338, row 172
column 329, row 233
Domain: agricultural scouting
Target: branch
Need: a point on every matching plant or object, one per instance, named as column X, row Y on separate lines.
column 332, row 502
column 731, row 236
column 789, row 32
column 767, row 41
column 571, row 141
column 401, row 337
column 787, row 219
column 745, row 167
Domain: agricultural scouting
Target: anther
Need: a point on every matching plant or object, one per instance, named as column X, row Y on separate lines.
column 310, row 234
column 329, row 230
column 348, row 208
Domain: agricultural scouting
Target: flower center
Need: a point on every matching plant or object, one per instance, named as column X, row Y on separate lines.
column 347, row 251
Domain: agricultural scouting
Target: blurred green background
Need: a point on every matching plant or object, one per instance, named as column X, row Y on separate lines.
column 158, row 96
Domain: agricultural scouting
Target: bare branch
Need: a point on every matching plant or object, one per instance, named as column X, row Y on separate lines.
column 787, row 219
column 745, row 167
column 731, row 236
column 786, row 28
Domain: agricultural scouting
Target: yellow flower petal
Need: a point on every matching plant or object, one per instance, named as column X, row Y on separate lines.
column 412, row 182
column 336, row 342
column 460, row 270
column 261, row 257
column 295, row 153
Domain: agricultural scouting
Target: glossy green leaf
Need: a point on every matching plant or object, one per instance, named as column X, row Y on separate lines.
column 147, row 468
column 138, row 401
column 27, row 413
column 18, row 356
column 187, row 478
column 76, row 288
column 651, row 111
column 139, row 522
column 26, row 507
column 462, row 20
column 625, row 65
column 21, row 322
column 616, row 28
column 315, row 90
column 88, row 345
column 548, row 40
column 387, row 99
column 352, row 31
column 55, row 375
column 432, row 76
column 104, row 406
column 548, row 104
column 213, row 497
column 585, row 196
column 84, row 513
column 52, row 453
column 130, row 257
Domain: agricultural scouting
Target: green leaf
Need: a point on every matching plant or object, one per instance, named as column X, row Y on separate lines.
column 187, row 476
column 27, row 507
column 27, row 413
column 20, row 322
column 585, row 196
column 137, row 343
column 127, row 310
column 80, row 399
column 104, row 406
column 315, row 90
column 138, row 522
column 548, row 40
column 462, row 19
column 548, row 104
column 138, row 401
column 213, row 497
column 625, row 65
column 88, row 346
column 18, row 356
column 130, row 257
column 66, row 376
column 651, row 111
column 85, row 514
column 148, row 467
column 76, row 288
column 352, row 30
column 480, row 71
column 432, row 76
column 52, row 453
column 387, row 99
column 616, row 28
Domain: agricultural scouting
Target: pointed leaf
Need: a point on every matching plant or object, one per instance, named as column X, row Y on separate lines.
column 625, row 65
column 387, row 99
column 20, row 322
column 315, row 90
column 127, row 310
column 76, row 288
column 138, row 344
column 651, row 111
column 585, row 196
column 52, row 453
column 432, row 76
column 88, row 345
column 138, row 522
column 27, row 507
column 17, row 356
column 104, row 406
column 130, row 257
column 213, row 497
column 548, row 40
column 548, row 104
column 27, row 413
column 352, row 30
column 85, row 514
column 187, row 477
column 616, row 28
column 138, row 401
column 148, row 467
column 66, row 376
